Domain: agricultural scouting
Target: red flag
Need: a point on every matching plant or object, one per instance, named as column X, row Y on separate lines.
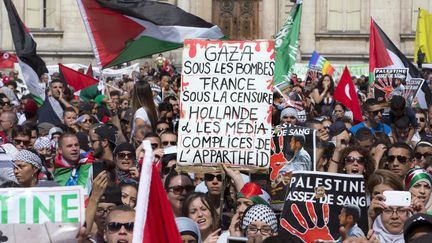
column 76, row 79
column 7, row 60
column 90, row 71
column 346, row 94
column 160, row 223
column 154, row 219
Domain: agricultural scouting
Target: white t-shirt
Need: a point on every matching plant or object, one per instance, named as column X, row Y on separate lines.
column 142, row 114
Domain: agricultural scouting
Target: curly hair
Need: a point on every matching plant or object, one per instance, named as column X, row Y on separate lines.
column 320, row 86
column 369, row 164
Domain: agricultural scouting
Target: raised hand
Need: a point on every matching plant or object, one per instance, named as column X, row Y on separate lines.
column 308, row 234
column 385, row 85
column 277, row 160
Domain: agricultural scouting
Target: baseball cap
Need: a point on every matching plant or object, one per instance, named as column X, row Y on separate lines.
column 337, row 128
column 107, row 132
column 419, row 219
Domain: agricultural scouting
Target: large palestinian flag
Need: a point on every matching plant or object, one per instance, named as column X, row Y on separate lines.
column 31, row 64
column 122, row 31
column 384, row 54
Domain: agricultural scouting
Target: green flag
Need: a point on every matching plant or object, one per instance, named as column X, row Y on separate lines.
column 286, row 46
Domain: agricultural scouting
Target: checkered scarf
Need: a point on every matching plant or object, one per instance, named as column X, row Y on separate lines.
column 259, row 212
column 42, row 142
column 29, row 157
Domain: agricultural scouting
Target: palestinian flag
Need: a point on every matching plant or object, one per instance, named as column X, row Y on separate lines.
column 31, row 64
column 154, row 219
column 121, row 31
column 384, row 54
column 63, row 172
column 7, row 60
column 76, row 79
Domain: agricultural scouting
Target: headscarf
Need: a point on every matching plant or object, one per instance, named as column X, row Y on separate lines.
column 289, row 112
column 259, row 212
column 415, row 176
column 29, row 157
column 187, row 226
column 384, row 235
column 253, row 192
column 42, row 142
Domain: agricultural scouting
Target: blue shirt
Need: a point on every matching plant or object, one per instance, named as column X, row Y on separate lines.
column 382, row 127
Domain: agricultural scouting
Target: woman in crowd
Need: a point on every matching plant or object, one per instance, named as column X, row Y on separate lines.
column 129, row 192
column 356, row 160
column 214, row 183
column 389, row 225
column 143, row 107
column 177, row 187
column 84, row 122
column 338, row 111
column 27, row 166
column 258, row 223
column 43, row 147
column 198, row 207
column 188, row 229
column 380, row 181
column 124, row 158
column 419, row 182
column 322, row 96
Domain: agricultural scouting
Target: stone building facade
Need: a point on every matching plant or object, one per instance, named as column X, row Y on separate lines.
column 337, row 29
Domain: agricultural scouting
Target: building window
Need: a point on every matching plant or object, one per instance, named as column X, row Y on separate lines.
column 40, row 14
column 415, row 10
column 343, row 15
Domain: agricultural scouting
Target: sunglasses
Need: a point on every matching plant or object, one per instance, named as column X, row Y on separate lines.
column 122, row 155
column 420, row 155
column 23, row 142
column 377, row 112
column 351, row 159
column 172, row 143
column 166, row 170
column 178, row 190
column 154, row 145
column 210, row 177
column 400, row 158
column 87, row 120
column 116, row 226
column 421, row 119
column 5, row 103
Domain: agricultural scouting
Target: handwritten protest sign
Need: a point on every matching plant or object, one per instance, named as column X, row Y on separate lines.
column 55, row 213
column 225, row 103
column 314, row 202
column 389, row 82
column 284, row 159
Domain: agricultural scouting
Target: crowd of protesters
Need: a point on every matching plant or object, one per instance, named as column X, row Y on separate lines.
column 95, row 142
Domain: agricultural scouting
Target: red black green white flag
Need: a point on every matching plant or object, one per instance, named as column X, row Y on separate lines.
column 121, row 31
column 76, row 79
column 384, row 54
column 31, row 64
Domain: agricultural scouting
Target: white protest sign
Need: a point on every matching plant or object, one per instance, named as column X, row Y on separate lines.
column 226, row 102
column 42, row 205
